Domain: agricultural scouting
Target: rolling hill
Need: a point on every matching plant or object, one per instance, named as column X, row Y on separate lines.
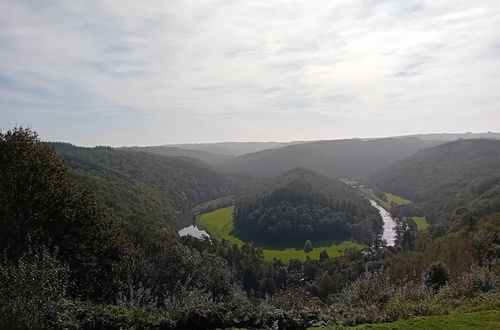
column 459, row 179
column 338, row 158
column 300, row 205
column 232, row 148
column 143, row 187
column 205, row 156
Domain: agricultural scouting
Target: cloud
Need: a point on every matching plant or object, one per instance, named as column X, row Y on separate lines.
column 92, row 72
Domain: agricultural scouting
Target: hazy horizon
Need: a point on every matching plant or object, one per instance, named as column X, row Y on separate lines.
column 125, row 73
column 174, row 144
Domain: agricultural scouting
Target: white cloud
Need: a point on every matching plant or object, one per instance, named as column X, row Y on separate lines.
column 92, row 72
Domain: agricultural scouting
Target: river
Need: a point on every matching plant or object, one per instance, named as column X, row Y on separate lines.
column 194, row 231
column 389, row 233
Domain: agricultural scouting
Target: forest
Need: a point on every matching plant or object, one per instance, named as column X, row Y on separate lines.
column 301, row 205
column 88, row 237
column 457, row 181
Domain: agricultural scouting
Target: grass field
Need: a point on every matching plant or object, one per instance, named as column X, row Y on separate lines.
column 396, row 199
column 219, row 224
column 483, row 320
column 421, row 223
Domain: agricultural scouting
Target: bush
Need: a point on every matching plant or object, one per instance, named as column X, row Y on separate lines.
column 88, row 316
column 369, row 289
column 32, row 290
column 470, row 284
column 436, row 276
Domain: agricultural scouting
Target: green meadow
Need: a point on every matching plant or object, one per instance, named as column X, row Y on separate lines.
column 421, row 223
column 393, row 199
column 483, row 320
column 219, row 224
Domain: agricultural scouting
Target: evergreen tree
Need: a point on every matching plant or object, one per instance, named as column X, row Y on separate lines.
column 437, row 276
column 308, row 246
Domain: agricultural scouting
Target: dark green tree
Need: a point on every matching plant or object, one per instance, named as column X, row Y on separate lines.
column 39, row 199
column 436, row 276
column 308, row 246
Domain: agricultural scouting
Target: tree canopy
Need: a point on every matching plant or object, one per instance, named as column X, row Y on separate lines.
column 300, row 205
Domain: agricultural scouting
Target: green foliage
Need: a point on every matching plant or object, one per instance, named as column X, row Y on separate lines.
column 436, row 276
column 354, row 158
column 87, row 316
column 459, row 180
column 39, row 199
column 484, row 320
column 308, row 246
column 459, row 250
column 300, row 205
column 474, row 282
column 485, row 240
column 373, row 298
column 371, row 288
column 32, row 290
column 398, row 200
column 421, row 223
column 219, row 224
column 182, row 182
column 323, row 255
column 86, row 275
column 205, row 156
column 146, row 192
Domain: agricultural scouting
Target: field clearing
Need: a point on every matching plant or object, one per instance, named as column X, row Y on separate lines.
column 483, row 320
column 421, row 223
column 219, row 224
column 396, row 199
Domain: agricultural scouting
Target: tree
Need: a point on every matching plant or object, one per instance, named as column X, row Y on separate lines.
column 323, row 255
column 308, row 246
column 39, row 199
column 31, row 291
column 436, row 276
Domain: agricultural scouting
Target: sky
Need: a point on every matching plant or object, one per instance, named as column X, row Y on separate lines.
column 150, row 72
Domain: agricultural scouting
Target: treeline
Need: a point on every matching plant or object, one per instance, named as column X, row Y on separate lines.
column 69, row 262
column 458, row 180
column 183, row 182
column 353, row 158
column 301, row 205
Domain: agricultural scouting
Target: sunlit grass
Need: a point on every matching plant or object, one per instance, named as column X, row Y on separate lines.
column 333, row 250
column 421, row 223
column 219, row 224
column 396, row 199
column 483, row 320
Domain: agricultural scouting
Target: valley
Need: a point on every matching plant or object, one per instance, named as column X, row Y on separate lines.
column 171, row 241
column 219, row 224
column 253, row 165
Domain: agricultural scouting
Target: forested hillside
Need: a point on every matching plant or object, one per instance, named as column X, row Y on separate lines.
column 182, row 182
column 44, row 211
column 459, row 179
column 300, row 205
column 232, row 148
column 353, row 158
column 71, row 262
column 205, row 156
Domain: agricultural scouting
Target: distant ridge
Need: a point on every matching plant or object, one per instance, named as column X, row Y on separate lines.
column 354, row 158
column 447, row 178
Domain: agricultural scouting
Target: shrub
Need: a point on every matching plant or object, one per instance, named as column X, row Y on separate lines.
column 436, row 276
column 32, row 290
column 470, row 284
